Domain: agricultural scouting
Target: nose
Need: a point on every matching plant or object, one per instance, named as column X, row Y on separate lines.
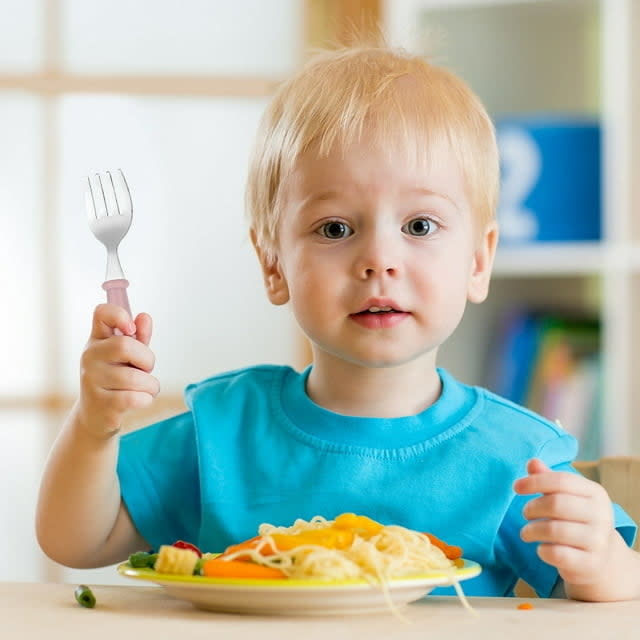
column 378, row 256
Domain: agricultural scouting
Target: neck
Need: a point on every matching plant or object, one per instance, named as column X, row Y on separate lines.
column 381, row 392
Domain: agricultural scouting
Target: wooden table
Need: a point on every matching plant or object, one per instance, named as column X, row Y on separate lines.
column 50, row 612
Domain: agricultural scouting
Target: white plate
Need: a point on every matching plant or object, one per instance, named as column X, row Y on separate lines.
column 297, row 597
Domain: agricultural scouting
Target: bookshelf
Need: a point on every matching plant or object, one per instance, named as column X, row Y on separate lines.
column 557, row 56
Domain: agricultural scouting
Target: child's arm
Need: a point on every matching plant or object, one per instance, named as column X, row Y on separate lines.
column 81, row 520
column 573, row 522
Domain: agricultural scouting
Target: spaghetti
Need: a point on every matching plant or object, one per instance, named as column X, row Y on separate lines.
column 349, row 547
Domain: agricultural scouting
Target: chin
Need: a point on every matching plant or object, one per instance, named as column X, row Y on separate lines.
column 383, row 361
column 376, row 356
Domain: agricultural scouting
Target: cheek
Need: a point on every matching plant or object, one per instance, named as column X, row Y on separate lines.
column 307, row 286
column 443, row 290
column 314, row 289
column 305, row 267
column 441, row 271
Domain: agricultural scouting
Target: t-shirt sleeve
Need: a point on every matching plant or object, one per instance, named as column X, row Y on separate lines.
column 159, row 481
column 625, row 526
column 522, row 556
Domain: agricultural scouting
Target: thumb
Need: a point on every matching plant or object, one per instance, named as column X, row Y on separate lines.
column 535, row 465
column 144, row 327
column 110, row 317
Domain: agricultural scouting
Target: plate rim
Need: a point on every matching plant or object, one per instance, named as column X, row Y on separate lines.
column 470, row 569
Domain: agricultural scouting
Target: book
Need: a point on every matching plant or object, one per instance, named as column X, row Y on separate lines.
column 551, row 364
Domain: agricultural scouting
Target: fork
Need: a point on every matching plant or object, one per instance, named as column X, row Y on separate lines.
column 109, row 209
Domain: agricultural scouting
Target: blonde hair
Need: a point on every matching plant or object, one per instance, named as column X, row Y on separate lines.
column 402, row 101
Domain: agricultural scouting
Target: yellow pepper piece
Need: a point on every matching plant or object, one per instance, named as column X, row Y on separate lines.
column 175, row 561
column 360, row 525
column 329, row 537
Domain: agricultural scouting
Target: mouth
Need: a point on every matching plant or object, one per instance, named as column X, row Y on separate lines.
column 379, row 306
column 379, row 316
column 377, row 311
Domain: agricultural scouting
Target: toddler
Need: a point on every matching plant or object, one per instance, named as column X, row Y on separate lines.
column 371, row 193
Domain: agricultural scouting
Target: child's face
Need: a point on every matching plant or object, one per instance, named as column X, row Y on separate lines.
column 378, row 255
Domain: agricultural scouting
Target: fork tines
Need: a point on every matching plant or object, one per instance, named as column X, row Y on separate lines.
column 103, row 192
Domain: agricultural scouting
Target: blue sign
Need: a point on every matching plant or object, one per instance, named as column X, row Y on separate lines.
column 550, row 182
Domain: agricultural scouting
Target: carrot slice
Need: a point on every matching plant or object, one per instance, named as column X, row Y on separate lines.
column 217, row 568
column 450, row 551
column 252, row 543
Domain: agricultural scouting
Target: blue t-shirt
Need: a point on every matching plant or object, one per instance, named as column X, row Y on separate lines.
column 255, row 448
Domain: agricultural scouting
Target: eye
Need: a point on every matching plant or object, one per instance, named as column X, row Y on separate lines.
column 335, row 230
column 419, row 227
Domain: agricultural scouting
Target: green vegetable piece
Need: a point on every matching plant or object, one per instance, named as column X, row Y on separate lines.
column 197, row 570
column 142, row 559
column 85, row 597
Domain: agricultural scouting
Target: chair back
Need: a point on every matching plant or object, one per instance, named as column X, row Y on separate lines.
column 620, row 476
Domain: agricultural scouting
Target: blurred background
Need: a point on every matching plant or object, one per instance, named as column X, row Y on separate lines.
column 171, row 92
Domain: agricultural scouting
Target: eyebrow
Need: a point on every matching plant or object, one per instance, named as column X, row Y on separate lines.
column 429, row 192
column 329, row 194
column 332, row 194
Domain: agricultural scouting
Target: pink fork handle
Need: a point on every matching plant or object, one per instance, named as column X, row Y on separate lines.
column 117, row 294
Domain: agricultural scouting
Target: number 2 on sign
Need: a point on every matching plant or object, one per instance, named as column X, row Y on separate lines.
column 521, row 166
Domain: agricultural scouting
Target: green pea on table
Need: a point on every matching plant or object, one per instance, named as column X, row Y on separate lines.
column 84, row 596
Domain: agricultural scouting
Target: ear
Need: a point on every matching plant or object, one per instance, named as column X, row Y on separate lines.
column 483, row 257
column 274, row 281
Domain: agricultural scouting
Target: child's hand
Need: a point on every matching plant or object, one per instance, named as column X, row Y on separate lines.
column 115, row 370
column 572, row 520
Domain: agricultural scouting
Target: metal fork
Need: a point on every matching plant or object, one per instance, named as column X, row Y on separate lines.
column 109, row 209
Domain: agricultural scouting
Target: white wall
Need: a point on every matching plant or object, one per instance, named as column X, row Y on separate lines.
column 187, row 254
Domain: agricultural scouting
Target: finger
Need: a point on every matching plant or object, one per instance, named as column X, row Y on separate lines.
column 120, row 350
column 119, row 402
column 107, row 318
column 560, row 506
column 144, row 327
column 555, row 482
column 572, row 534
column 129, row 379
column 108, row 377
column 574, row 565
column 535, row 465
